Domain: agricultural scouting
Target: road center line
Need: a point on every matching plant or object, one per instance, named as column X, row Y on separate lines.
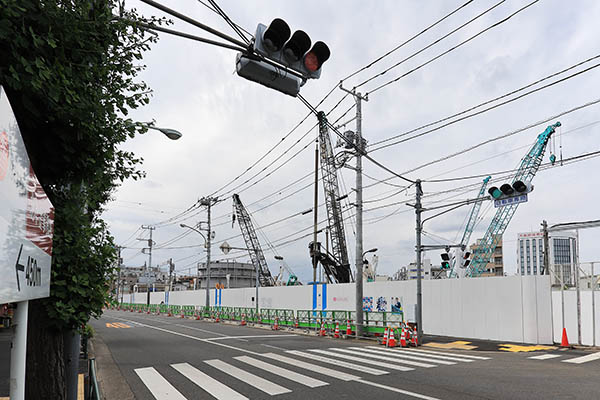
column 249, row 336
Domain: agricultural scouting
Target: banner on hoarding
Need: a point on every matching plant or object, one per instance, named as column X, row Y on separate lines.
column 26, row 218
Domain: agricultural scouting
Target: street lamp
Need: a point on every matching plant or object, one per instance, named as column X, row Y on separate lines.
column 226, row 248
column 369, row 251
column 168, row 132
column 207, row 266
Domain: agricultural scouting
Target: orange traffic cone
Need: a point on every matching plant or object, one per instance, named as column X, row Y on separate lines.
column 336, row 334
column 276, row 324
column 170, row 314
column 385, row 336
column 182, row 316
column 402, row 337
column 565, row 339
column 348, row 329
column 243, row 319
column 322, row 331
column 415, row 340
column 296, row 323
column 392, row 339
column 217, row 319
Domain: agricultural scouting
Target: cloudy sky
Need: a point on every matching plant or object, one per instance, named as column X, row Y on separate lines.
column 229, row 123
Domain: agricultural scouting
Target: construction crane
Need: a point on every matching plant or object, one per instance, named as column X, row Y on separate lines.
column 292, row 278
column 335, row 264
column 252, row 244
column 530, row 165
column 453, row 273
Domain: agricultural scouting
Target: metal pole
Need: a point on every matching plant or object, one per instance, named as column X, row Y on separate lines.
column 315, row 209
column 419, row 229
column 577, row 288
column 119, row 273
column 359, row 220
column 19, row 352
column 151, row 228
column 562, row 294
column 208, row 239
column 593, row 307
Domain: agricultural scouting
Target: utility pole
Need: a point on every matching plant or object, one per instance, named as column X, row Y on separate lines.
column 150, row 243
column 208, row 202
column 546, row 248
column 119, row 262
column 315, row 208
column 360, row 148
column 419, row 229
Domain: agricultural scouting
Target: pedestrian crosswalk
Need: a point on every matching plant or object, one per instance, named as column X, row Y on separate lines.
column 571, row 360
column 280, row 373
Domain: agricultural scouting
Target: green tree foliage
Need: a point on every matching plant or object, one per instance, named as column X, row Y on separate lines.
column 70, row 70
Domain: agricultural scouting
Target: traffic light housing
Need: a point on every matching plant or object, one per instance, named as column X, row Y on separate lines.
column 445, row 261
column 510, row 193
column 466, row 259
column 277, row 43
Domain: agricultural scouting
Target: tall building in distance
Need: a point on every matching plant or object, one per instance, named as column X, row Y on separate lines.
column 496, row 265
column 563, row 255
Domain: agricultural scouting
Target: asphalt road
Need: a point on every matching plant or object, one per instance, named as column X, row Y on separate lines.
column 172, row 358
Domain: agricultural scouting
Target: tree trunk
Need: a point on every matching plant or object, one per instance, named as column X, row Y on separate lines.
column 45, row 374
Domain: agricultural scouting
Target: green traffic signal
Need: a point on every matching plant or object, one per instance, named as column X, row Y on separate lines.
column 495, row 192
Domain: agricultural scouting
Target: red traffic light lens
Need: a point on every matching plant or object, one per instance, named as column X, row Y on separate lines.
column 311, row 62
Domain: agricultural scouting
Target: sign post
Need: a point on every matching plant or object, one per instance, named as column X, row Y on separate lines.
column 26, row 229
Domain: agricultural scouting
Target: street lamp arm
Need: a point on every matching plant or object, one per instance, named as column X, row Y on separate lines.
column 195, row 230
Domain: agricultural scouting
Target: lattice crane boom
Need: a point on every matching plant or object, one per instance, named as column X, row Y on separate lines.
column 470, row 224
column 342, row 273
column 252, row 244
column 530, row 165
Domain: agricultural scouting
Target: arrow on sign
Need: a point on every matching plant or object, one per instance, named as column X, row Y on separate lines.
column 19, row 267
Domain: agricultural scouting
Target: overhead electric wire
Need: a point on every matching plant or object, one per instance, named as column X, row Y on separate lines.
column 216, row 12
column 452, row 48
column 233, row 26
column 337, row 132
column 429, row 45
column 486, row 109
column 407, row 41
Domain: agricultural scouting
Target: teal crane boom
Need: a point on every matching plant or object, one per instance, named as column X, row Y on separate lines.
column 530, row 165
column 470, row 224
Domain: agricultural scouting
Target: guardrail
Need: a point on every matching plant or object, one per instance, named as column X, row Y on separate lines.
column 374, row 322
column 94, row 393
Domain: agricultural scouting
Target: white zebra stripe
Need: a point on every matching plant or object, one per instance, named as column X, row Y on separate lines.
column 205, row 382
column 251, row 379
column 160, row 388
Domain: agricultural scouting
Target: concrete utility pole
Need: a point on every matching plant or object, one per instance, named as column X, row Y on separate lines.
column 315, row 219
column 546, row 248
column 208, row 202
column 150, row 243
column 419, row 229
column 360, row 149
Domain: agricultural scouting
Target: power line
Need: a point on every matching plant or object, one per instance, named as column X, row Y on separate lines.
column 488, row 108
column 453, row 48
column 407, row 41
column 429, row 45
column 233, row 25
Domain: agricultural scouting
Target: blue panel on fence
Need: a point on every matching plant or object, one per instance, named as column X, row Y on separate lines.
column 324, row 294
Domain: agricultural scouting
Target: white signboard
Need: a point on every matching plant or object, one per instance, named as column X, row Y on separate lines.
column 26, row 218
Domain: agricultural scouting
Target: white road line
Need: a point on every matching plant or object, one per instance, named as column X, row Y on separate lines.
column 545, row 356
column 205, row 382
column 251, row 379
column 312, row 367
column 385, row 358
column 338, row 363
column 393, row 389
column 251, row 336
column 190, row 337
column 160, row 388
column 451, row 354
column 409, row 351
column 583, row 359
column 417, row 357
column 286, row 373
column 200, row 330
column 273, row 347
column 362, row 360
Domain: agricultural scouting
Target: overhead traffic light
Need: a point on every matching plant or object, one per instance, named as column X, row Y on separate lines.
column 278, row 44
column 466, row 259
column 510, row 194
column 445, row 261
